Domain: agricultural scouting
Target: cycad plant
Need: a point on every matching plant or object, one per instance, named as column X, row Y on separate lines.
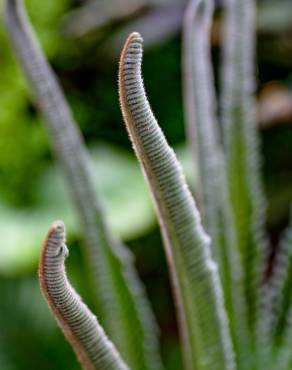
column 231, row 313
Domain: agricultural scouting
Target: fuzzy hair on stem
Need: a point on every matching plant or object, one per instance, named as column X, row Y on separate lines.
column 80, row 327
column 241, row 146
column 197, row 290
column 204, row 139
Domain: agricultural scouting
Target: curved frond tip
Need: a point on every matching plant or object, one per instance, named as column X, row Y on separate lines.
column 197, row 290
column 80, row 327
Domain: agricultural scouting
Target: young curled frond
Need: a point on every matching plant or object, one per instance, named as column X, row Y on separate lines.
column 80, row 327
column 197, row 289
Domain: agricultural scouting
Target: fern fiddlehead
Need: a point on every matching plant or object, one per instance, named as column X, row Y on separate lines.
column 197, row 290
column 81, row 328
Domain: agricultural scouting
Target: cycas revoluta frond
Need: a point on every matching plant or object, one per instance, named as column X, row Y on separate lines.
column 203, row 129
column 121, row 302
column 195, row 279
column 241, row 146
column 79, row 325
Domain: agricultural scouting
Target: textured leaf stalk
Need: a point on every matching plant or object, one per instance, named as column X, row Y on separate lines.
column 204, row 137
column 81, row 328
column 198, row 294
column 242, row 152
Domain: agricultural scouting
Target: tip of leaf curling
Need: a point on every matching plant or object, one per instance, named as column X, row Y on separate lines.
column 59, row 225
column 57, row 229
column 56, row 238
column 135, row 37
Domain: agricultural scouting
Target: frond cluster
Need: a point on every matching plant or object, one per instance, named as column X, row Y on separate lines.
column 231, row 315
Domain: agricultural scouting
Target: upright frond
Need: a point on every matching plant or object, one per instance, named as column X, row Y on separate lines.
column 198, row 294
column 203, row 129
column 241, row 146
column 120, row 297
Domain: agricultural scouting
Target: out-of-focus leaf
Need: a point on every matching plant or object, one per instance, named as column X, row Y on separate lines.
column 157, row 25
column 27, row 137
column 126, row 200
column 274, row 105
column 94, row 14
column 29, row 338
column 275, row 16
column 242, row 152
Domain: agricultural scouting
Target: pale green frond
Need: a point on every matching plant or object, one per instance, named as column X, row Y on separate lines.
column 241, row 145
column 199, row 98
column 79, row 325
column 197, row 289
column 203, row 135
column 120, row 297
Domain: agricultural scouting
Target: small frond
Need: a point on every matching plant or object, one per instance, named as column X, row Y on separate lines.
column 198, row 294
column 121, row 302
column 80, row 327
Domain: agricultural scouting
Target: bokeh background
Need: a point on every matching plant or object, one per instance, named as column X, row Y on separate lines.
column 82, row 40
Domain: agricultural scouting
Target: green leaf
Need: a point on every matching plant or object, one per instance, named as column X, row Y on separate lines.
column 197, row 289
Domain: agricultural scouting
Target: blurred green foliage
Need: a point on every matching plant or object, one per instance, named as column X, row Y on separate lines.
column 23, row 145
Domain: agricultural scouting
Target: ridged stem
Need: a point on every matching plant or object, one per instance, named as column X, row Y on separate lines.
column 81, row 328
column 203, row 132
column 241, row 145
column 195, row 279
